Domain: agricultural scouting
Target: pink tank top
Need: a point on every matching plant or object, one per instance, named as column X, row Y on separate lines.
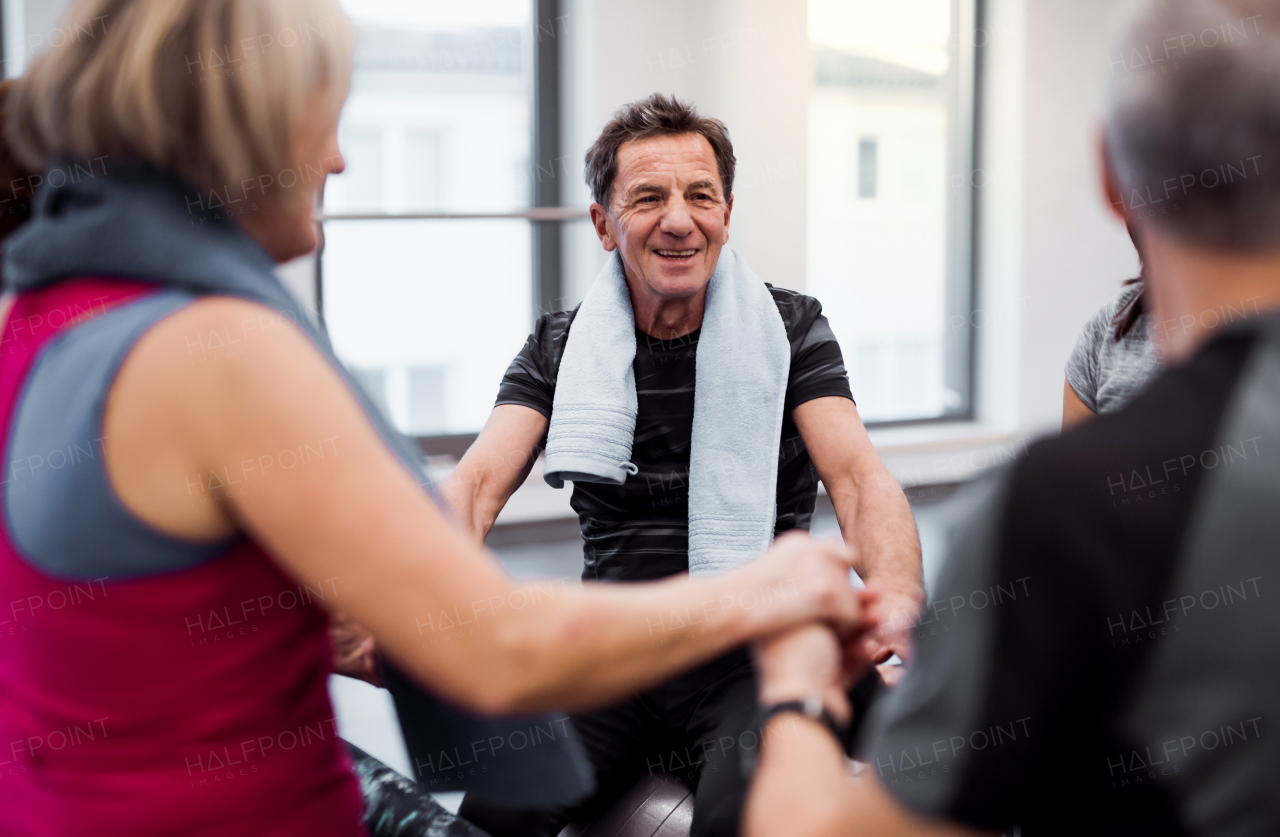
column 189, row 702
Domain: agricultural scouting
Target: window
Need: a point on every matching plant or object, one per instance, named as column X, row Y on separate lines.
column 868, row 152
column 443, row 237
column 423, row 169
column 890, row 212
column 361, row 186
column 428, row 272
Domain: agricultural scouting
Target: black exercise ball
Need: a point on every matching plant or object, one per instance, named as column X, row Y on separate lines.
column 656, row 806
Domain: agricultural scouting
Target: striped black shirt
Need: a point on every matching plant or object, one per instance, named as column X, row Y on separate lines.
column 639, row 531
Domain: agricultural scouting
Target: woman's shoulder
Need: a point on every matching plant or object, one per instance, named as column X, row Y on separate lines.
column 1128, row 294
column 228, row 331
column 1102, row 323
column 211, row 354
column 1127, row 297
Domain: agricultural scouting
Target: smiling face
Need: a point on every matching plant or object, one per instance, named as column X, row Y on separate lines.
column 668, row 215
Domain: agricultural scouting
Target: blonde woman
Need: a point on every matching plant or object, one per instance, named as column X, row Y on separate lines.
column 193, row 481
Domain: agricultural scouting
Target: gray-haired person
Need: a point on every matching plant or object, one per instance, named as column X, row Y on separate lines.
column 1132, row 686
column 1115, row 355
column 694, row 408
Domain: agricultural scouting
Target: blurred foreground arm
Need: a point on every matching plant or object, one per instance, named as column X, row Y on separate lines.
column 356, row 522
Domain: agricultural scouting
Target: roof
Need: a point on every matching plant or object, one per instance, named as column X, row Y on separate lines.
column 846, row 69
column 497, row 51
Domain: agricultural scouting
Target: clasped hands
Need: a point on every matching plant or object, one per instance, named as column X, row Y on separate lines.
column 354, row 651
column 826, row 660
column 850, row 629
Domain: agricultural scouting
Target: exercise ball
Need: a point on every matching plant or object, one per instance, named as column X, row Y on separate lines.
column 656, row 806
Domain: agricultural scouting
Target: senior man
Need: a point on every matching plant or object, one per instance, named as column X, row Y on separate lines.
column 695, row 409
column 1135, row 690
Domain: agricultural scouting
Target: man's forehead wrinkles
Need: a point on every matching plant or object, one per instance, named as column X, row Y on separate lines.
column 665, row 162
column 658, row 171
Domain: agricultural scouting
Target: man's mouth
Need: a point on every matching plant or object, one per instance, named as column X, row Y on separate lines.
column 676, row 255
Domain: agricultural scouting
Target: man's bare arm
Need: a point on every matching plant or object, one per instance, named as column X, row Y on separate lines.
column 494, row 467
column 874, row 515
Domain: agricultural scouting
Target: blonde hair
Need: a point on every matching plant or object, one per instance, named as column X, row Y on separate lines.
column 212, row 90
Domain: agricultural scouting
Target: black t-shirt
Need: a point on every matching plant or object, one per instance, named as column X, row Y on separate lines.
column 639, row 531
column 1102, row 654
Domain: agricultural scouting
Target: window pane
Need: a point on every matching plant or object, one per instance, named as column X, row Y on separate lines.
column 440, row 108
column 422, row 174
column 429, row 314
column 363, row 181
column 880, row 129
column 867, row 167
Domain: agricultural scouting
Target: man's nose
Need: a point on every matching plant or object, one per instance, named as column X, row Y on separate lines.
column 677, row 220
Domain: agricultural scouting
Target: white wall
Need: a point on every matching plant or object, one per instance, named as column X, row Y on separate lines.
column 761, row 91
column 15, row 27
column 30, row 26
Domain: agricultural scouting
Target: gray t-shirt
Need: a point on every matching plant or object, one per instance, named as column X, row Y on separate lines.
column 1107, row 373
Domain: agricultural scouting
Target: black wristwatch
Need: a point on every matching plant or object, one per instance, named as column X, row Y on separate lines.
column 811, row 707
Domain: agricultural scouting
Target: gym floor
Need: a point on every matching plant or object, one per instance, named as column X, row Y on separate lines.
column 367, row 719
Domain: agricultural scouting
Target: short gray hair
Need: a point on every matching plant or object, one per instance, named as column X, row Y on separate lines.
column 655, row 116
column 1193, row 123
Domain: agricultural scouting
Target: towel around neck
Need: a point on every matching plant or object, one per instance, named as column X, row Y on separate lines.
column 740, row 387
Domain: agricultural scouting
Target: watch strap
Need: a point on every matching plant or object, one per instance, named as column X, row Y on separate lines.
column 811, row 708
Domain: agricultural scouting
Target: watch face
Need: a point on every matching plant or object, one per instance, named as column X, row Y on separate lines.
column 813, row 706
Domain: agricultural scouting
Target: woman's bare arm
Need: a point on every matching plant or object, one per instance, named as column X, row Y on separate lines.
column 197, row 442
column 1074, row 410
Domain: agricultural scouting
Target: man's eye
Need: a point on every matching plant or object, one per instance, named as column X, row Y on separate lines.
column 649, row 199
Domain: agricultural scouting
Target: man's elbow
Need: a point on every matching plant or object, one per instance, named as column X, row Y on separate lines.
column 872, row 479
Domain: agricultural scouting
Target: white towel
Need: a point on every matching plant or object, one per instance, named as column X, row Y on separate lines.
column 740, row 387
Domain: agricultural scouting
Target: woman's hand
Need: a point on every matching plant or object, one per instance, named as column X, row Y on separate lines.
column 800, row 580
